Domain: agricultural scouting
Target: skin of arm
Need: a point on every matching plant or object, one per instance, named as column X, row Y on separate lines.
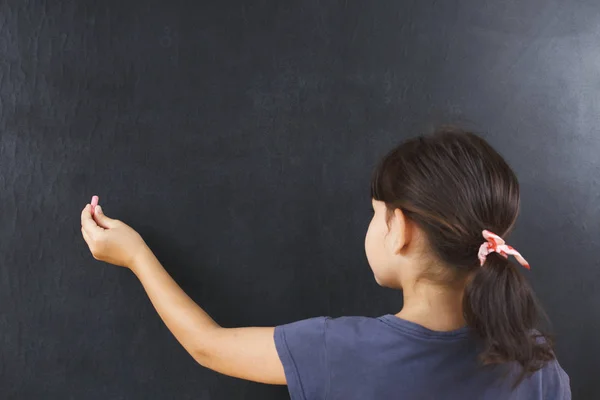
column 247, row 353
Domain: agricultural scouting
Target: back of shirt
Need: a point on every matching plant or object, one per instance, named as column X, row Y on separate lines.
column 391, row 358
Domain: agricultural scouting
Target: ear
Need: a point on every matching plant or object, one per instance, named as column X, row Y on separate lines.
column 401, row 230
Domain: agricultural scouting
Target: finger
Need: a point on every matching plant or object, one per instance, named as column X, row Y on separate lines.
column 103, row 220
column 88, row 223
column 86, row 237
column 89, row 242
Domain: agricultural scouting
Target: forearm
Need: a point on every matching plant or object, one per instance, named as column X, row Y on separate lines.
column 188, row 322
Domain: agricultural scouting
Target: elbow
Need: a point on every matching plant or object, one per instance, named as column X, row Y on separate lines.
column 201, row 357
column 205, row 348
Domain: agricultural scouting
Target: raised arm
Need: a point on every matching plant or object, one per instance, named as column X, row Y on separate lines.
column 247, row 353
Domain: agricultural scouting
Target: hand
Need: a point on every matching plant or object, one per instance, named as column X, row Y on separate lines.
column 110, row 240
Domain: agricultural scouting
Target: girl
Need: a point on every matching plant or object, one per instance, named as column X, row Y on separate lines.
column 442, row 204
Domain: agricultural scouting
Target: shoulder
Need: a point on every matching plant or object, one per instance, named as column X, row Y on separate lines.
column 549, row 382
column 555, row 381
column 353, row 324
column 320, row 328
column 334, row 322
column 305, row 347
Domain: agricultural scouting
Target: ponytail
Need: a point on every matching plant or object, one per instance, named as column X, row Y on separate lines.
column 500, row 306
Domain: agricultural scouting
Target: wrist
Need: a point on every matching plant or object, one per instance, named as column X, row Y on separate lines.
column 141, row 258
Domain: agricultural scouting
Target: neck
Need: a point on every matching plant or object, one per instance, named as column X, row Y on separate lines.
column 432, row 306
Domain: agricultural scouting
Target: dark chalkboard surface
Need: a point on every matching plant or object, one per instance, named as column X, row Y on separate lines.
column 238, row 138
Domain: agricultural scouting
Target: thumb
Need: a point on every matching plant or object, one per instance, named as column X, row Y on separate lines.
column 102, row 220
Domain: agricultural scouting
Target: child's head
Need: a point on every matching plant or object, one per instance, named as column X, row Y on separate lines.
column 441, row 192
column 433, row 196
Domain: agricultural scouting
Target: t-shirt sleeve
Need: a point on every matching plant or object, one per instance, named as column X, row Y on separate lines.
column 557, row 384
column 302, row 349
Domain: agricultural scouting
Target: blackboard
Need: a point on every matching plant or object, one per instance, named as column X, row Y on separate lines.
column 238, row 138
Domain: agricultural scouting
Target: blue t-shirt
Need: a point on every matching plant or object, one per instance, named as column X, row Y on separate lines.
column 390, row 358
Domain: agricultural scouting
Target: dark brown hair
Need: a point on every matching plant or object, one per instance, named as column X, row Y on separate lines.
column 454, row 185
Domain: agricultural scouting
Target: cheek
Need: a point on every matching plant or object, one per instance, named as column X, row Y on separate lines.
column 373, row 242
column 368, row 240
column 376, row 254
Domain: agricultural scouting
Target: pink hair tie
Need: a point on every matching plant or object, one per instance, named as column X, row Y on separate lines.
column 497, row 244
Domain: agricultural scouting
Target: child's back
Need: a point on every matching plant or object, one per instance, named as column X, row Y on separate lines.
column 391, row 358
